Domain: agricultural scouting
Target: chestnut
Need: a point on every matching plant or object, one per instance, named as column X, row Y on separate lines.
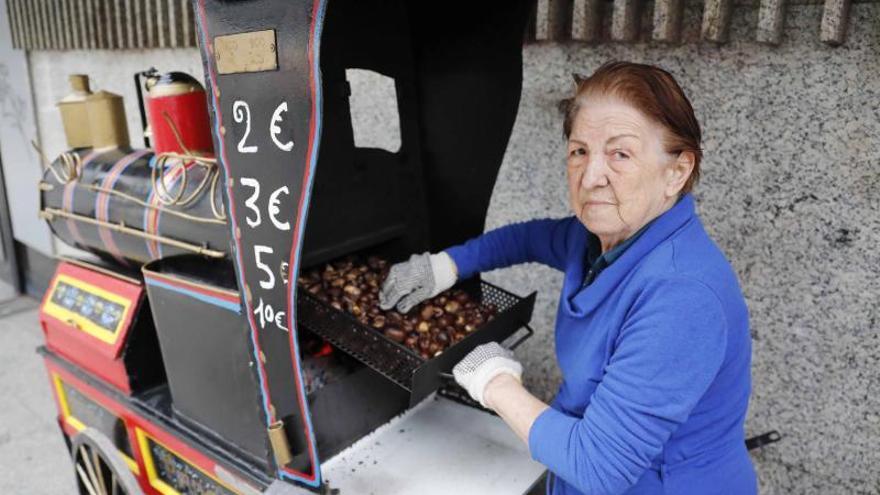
column 355, row 309
column 427, row 312
column 351, row 290
column 452, row 307
column 395, row 334
column 378, row 321
column 423, row 327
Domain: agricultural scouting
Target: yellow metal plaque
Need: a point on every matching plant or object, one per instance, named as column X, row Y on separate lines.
column 246, row 52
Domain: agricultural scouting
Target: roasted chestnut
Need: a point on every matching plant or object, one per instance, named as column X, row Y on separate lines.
column 395, row 334
column 352, row 285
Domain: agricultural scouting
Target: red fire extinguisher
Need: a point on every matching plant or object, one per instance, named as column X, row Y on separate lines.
column 176, row 116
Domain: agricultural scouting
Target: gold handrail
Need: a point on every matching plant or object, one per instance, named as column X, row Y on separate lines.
column 48, row 213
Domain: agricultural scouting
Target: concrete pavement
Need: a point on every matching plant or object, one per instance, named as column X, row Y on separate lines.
column 33, row 457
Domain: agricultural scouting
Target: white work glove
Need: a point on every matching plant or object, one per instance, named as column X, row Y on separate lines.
column 483, row 364
column 422, row 277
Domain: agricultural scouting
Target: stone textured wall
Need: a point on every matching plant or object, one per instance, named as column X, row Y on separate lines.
column 790, row 192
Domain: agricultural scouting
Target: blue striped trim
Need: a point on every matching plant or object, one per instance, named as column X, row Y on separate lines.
column 235, row 308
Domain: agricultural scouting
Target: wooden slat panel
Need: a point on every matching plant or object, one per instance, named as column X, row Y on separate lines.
column 31, row 19
column 161, row 23
column 78, row 17
column 770, row 19
column 667, row 20
column 835, row 17
column 107, row 23
column 41, row 28
column 559, row 20
column 126, row 23
column 52, row 25
column 15, row 22
column 587, row 20
column 100, row 24
column 139, row 23
column 118, row 26
column 625, row 20
column 89, row 40
column 188, row 23
column 42, row 25
column 76, row 27
column 57, row 29
column 716, row 20
column 37, row 21
column 150, row 16
column 174, row 15
column 532, row 24
column 65, row 26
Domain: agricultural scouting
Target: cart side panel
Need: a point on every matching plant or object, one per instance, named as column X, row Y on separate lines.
column 261, row 62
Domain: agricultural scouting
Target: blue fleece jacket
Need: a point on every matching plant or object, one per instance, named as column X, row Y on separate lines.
column 655, row 358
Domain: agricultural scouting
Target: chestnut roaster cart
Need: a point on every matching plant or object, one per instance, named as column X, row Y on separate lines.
column 192, row 353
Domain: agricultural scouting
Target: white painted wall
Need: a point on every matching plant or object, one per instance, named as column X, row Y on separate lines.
column 21, row 166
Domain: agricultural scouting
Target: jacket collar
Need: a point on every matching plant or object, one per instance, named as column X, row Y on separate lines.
column 579, row 301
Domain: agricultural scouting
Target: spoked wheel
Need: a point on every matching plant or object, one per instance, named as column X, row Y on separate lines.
column 100, row 469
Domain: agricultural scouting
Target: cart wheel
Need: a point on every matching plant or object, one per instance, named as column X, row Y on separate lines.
column 100, row 469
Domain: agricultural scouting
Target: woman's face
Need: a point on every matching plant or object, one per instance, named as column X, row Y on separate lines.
column 619, row 175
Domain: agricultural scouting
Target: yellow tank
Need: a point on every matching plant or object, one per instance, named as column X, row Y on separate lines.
column 107, row 120
column 74, row 114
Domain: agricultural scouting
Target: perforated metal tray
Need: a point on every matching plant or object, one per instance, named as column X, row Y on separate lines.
column 400, row 364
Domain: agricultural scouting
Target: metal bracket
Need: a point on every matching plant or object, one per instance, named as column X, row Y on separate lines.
column 762, row 440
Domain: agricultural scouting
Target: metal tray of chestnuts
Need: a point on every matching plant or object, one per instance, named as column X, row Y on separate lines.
column 339, row 301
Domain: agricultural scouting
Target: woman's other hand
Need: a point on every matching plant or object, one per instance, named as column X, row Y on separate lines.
column 422, row 277
column 481, row 365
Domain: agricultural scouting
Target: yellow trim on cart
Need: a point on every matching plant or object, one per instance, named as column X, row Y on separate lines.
column 78, row 425
column 80, row 322
column 153, row 477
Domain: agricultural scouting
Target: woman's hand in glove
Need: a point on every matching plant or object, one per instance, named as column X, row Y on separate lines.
column 422, row 277
column 481, row 365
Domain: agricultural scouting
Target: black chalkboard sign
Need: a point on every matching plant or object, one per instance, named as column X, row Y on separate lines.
column 261, row 60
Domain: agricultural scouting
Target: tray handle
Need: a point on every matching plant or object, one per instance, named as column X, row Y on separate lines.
column 529, row 331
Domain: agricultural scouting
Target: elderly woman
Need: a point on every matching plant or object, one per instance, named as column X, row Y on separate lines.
column 652, row 333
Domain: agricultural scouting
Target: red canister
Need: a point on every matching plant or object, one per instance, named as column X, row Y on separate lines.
column 177, row 110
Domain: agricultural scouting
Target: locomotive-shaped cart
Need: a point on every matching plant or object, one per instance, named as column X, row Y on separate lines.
column 184, row 358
